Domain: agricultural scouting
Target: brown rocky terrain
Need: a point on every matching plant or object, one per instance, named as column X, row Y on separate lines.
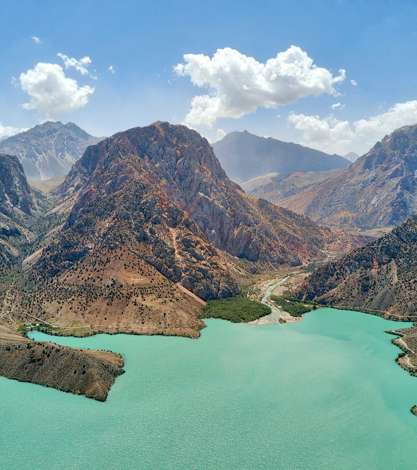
column 83, row 372
column 379, row 277
column 377, row 190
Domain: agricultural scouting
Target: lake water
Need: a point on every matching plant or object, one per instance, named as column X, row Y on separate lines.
column 323, row 393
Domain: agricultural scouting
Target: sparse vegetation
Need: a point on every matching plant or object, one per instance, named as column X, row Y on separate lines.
column 236, row 309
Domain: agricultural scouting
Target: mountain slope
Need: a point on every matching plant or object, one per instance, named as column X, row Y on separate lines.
column 274, row 187
column 156, row 226
column 19, row 207
column 245, row 156
column 380, row 277
column 378, row 190
column 48, row 150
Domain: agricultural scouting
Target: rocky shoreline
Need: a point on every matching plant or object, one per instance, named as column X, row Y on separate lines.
column 82, row 372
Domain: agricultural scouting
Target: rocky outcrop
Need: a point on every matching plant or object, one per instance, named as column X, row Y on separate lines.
column 48, row 150
column 83, row 372
column 245, row 156
column 377, row 190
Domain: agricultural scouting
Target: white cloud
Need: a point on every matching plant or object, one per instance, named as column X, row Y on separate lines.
column 333, row 135
column 354, row 83
column 80, row 65
column 112, row 69
column 36, row 40
column 237, row 84
column 336, row 106
column 8, row 131
column 51, row 92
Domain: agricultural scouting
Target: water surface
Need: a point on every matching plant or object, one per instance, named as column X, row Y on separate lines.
column 323, row 393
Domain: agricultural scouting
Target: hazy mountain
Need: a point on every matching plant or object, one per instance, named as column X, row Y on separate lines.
column 48, row 150
column 245, row 156
column 378, row 190
column 274, row 187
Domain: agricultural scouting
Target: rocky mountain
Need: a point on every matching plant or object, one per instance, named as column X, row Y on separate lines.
column 48, row 150
column 377, row 190
column 245, row 156
column 19, row 207
column 157, row 226
column 151, row 228
column 380, row 277
column 274, row 187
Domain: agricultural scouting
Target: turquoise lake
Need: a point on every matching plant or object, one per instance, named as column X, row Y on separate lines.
column 324, row 393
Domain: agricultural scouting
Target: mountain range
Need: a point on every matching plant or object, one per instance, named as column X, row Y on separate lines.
column 145, row 227
column 245, row 156
column 377, row 190
column 48, row 150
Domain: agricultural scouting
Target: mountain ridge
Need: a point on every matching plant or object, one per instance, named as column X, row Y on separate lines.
column 48, row 150
column 244, row 156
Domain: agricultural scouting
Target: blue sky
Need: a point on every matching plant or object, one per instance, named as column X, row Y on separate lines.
column 374, row 41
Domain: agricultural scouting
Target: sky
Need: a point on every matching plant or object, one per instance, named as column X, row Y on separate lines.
column 333, row 75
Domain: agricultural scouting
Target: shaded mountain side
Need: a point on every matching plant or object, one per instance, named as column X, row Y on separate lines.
column 48, row 150
column 377, row 190
column 245, row 156
column 20, row 207
column 275, row 187
column 380, row 277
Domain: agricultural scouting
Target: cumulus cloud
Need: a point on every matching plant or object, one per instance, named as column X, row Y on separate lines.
column 354, row 83
column 8, row 131
column 111, row 69
column 333, row 135
column 80, row 65
column 36, row 40
column 51, row 92
column 237, row 84
column 336, row 106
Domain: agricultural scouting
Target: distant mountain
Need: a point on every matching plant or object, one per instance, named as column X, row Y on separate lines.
column 274, row 187
column 48, row 150
column 245, row 156
column 379, row 277
column 378, row 190
column 19, row 207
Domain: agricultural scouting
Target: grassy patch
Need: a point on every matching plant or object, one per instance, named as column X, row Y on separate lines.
column 291, row 306
column 236, row 309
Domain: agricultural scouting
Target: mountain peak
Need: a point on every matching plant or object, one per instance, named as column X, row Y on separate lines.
column 245, row 156
column 49, row 149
